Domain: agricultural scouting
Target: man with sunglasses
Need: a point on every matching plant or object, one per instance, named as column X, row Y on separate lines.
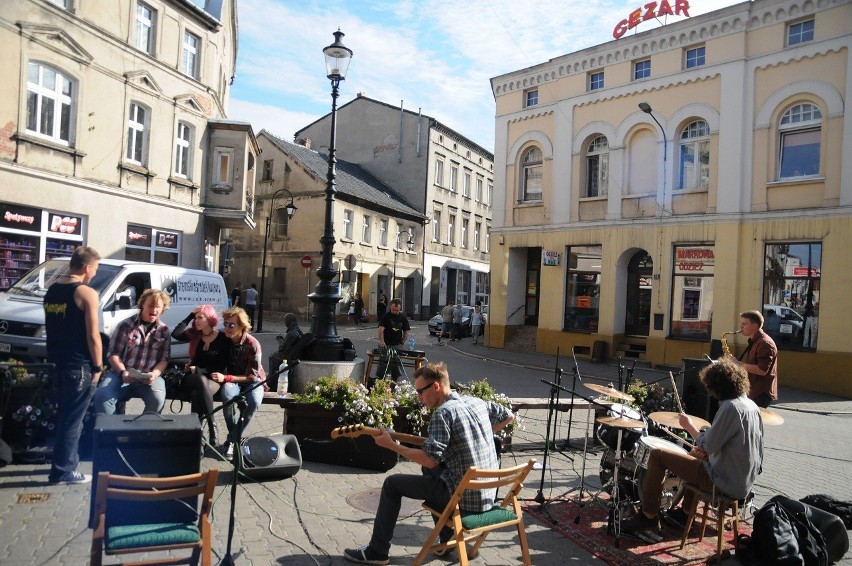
column 460, row 434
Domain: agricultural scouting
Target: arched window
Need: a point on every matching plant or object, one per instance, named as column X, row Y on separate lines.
column 532, row 175
column 50, row 96
column 694, row 168
column 137, row 134
column 799, row 141
column 597, row 167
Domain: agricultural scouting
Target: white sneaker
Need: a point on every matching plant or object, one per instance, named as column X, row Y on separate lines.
column 74, row 477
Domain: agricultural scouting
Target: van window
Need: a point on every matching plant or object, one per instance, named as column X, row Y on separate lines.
column 132, row 287
column 36, row 282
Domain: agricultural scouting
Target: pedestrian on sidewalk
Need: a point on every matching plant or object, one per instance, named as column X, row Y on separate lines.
column 461, row 434
column 456, row 332
column 477, row 319
column 74, row 348
column 251, row 302
column 446, row 321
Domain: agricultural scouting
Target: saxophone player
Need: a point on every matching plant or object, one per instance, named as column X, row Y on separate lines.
column 760, row 359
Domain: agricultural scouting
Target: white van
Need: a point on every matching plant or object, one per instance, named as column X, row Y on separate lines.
column 119, row 284
column 788, row 321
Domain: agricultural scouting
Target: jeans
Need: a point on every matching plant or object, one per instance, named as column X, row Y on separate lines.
column 112, row 394
column 253, row 400
column 427, row 487
column 685, row 467
column 75, row 390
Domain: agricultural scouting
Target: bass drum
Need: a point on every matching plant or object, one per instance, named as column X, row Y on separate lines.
column 627, row 486
column 609, row 435
column 672, row 485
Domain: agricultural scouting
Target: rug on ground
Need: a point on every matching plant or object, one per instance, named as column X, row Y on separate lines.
column 591, row 534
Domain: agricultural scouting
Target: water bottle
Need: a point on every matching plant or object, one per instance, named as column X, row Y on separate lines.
column 411, row 342
column 283, row 379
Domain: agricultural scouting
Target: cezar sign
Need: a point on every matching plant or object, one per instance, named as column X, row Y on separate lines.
column 650, row 11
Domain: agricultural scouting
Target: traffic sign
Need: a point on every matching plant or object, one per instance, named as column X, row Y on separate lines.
column 307, row 261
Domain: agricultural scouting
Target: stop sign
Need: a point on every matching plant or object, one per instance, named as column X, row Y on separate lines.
column 306, row 261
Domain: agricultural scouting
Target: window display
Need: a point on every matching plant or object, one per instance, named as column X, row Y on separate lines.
column 582, row 289
column 791, row 284
column 692, row 291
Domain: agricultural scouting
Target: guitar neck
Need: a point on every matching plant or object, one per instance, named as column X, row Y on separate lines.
column 353, row 431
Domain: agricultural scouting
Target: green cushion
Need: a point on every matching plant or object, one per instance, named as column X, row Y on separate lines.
column 152, row 534
column 493, row 516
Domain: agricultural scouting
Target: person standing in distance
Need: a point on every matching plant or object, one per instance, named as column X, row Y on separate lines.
column 393, row 332
column 760, row 360
column 236, row 294
column 251, row 302
column 446, row 322
column 74, row 348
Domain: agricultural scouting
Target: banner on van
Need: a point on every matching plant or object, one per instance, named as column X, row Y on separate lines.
column 191, row 289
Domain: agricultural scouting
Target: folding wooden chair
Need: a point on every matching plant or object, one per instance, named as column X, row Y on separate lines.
column 474, row 527
column 151, row 537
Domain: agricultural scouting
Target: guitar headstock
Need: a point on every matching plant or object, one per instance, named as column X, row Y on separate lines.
column 350, row 431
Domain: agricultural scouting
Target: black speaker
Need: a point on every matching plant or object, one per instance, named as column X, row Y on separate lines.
column 276, row 456
column 693, row 394
column 147, row 445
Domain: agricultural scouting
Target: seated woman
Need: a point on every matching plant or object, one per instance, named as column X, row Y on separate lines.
column 208, row 352
column 244, row 370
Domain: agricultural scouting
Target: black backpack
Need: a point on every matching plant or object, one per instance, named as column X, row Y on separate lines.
column 782, row 534
column 842, row 509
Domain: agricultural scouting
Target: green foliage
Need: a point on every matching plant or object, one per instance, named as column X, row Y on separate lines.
column 483, row 390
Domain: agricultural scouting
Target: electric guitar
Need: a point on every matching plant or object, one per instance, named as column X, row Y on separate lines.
column 353, row 431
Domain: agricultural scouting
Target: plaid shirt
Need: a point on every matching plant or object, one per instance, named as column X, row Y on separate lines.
column 138, row 350
column 460, row 436
column 245, row 359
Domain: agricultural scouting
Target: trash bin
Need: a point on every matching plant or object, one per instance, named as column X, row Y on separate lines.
column 599, row 353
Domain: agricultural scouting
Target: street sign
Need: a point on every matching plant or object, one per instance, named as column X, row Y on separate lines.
column 307, row 261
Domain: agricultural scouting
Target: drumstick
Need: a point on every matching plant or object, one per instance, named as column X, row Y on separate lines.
column 674, row 389
column 673, row 435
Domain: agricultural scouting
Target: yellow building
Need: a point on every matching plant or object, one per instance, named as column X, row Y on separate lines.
column 649, row 189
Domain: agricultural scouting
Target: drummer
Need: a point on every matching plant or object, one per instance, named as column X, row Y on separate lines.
column 727, row 456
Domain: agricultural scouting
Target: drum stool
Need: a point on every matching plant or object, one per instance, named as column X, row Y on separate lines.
column 721, row 504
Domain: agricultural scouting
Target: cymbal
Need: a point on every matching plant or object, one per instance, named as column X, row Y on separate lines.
column 672, row 420
column 771, row 417
column 620, row 422
column 609, row 391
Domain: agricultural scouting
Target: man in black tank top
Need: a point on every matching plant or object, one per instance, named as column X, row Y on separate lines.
column 74, row 347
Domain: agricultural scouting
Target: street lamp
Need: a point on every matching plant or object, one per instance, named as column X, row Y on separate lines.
column 327, row 344
column 646, row 108
column 396, row 251
column 291, row 210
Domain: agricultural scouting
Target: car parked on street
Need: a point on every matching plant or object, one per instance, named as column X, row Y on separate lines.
column 436, row 322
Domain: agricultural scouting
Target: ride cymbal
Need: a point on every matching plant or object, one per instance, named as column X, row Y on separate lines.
column 609, row 392
column 672, row 420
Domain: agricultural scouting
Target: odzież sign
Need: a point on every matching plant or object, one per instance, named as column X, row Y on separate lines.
column 650, row 11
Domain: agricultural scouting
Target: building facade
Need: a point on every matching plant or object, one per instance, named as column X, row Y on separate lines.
column 444, row 175
column 650, row 189
column 114, row 132
column 372, row 225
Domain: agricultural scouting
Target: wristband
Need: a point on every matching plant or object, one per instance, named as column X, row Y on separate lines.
column 229, row 378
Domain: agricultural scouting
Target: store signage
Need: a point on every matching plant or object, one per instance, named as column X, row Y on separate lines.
column 66, row 224
column 138, row 236
column 650, row 11
column 167, row 240
column 550, row 257
column 20, row 217
column 694, row 260
column 803, row 272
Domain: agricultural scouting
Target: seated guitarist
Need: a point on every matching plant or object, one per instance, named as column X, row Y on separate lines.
column 460, row 435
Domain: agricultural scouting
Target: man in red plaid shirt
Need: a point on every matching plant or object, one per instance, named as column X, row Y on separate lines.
column 138, row 353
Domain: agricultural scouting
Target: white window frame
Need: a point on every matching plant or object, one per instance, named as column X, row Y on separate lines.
column 348, row 219
column 694, row 57
column 796, row 34
column 695, row 141
column 223, row 166
column 145, row 26
column 57, row 100
column 451, row 229
column 597, row 168
column 466, row 183
column 642, row 68
column 464, row 228
column 366, row 229
column 596, row 80
column 477, row 228
column 436, row 226
column 383, row 232
column 136, row 150
column 478, row 194
column 532, row 165
column 487, row 239
column 800, row 120
column 183, row 150
column 412, row 236
column 489, row 195
column 454, row 177
column 531, row 97
column 439, row 172
column 190, row 54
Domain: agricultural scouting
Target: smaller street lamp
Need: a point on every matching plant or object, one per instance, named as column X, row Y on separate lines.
column 409, row 243
column 291, row 210
column 646, row 108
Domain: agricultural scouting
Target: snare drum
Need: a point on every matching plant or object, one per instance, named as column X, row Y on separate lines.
column 609, row 435
column 648, row 443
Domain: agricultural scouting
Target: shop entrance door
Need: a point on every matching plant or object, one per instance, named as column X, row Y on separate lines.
column 637, row 321
column 533, row 281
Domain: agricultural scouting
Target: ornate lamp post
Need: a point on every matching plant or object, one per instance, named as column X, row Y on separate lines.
column 327, row 344
column 291, row 210
column 409, row 242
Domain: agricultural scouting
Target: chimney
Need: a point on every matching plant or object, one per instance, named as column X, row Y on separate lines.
column 305, row 142
column 361, row 94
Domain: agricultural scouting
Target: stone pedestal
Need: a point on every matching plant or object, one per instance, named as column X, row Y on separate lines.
column 308, row 371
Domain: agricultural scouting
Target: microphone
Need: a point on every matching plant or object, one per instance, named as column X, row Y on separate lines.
column 708, row 358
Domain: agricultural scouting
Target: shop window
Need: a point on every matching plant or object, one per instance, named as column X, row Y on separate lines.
column 694, row 167
column 799, row 132
column 143, row 243
column 692, row 291
column 482, row 289
column 597, row 168
column 531, row 175
column 50, row 97
column 582, row 288
column 791, row 294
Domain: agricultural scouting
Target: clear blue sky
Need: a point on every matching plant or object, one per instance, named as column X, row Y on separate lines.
column 434, row 55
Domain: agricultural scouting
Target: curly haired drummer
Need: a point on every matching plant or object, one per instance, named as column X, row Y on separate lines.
column 727, row 456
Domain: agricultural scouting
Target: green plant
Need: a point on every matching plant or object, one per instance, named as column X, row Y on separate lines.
column 484, row 390
column 37, row 414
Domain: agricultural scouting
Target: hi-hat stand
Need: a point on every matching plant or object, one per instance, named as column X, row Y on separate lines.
column 237, row 460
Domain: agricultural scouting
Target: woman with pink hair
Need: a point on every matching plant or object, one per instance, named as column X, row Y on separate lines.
column 208, row 351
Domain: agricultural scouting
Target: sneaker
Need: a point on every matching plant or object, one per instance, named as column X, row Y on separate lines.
column 73, row 477
column 677, row 517
column 226, row 450
column 639, row 523
column 365, row 555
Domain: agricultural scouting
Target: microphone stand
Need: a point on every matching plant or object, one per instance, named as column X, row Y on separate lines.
column 237, row 459
column 552, row 405
column 573, row 388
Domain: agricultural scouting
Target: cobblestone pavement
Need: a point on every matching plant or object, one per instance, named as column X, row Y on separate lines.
column 306, row 519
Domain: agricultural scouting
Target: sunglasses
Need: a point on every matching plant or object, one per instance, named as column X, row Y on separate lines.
column 424, row 388
column 230, row 325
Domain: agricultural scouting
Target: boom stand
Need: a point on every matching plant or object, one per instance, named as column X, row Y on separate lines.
column 552, row 406
column 571, row 407
column 237, row 461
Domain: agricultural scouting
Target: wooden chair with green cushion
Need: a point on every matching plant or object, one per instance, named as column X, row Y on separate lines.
column 474, row 527
column 114, row 539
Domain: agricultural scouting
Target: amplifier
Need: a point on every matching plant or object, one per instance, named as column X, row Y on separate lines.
column 147, row 445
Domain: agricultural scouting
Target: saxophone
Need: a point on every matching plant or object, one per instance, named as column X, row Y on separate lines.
column 726, row 351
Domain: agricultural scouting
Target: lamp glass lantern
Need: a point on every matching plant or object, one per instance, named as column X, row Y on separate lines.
column 337, row 57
